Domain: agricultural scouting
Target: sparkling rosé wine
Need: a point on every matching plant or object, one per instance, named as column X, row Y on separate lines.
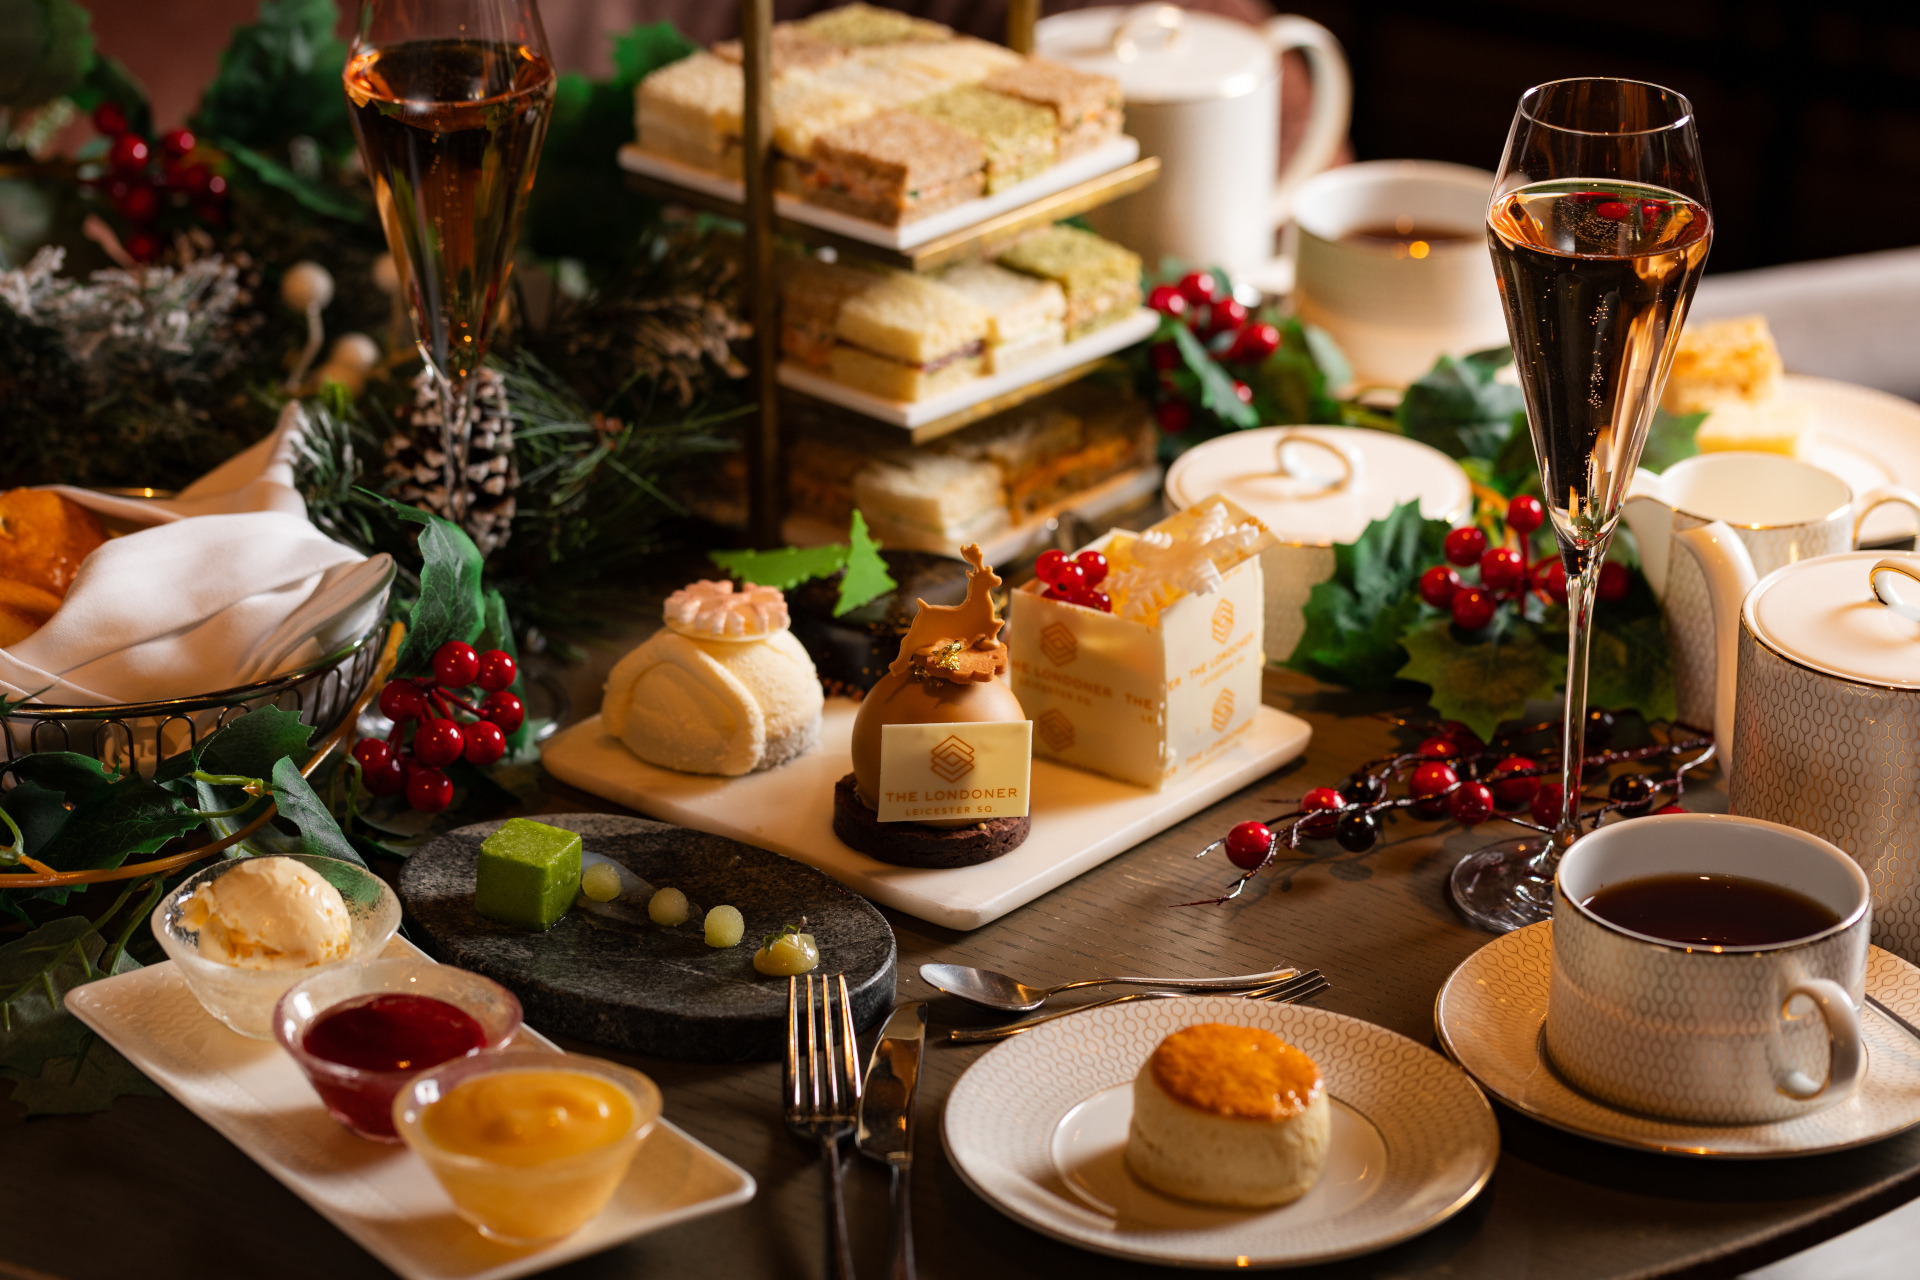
column 451, row 132
column 1596, row 278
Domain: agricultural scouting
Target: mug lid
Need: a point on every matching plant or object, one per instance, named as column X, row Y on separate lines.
column 1824, row 613
column 1321, row 485
column 1159, row 52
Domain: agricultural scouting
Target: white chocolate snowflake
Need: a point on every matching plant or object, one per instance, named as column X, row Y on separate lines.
column 708, row 610
column 1185, row 554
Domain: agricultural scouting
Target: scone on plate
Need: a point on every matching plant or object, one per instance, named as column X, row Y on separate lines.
column 1229, row 1115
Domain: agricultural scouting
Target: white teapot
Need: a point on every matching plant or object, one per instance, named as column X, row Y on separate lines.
column 1817, row 706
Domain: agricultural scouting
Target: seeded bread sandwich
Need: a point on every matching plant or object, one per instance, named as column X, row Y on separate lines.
column 1101, row 280
column 907, row 338
column 1019, row 138
column 1085, row 107
column 894, row 167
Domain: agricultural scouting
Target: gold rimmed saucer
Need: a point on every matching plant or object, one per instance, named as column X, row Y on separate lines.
column 1490, row 1010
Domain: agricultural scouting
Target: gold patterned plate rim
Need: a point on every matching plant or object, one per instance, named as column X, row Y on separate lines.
column 1488, row 1016
column 1016, row 1109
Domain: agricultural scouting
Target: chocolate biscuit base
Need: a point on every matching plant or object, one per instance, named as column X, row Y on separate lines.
column 908, row 844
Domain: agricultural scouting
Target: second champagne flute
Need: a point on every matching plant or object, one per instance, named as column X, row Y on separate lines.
column 1599, row 227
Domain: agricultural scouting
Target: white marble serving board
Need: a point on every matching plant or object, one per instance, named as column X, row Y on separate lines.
column 382, row 1196
column 1079, row 819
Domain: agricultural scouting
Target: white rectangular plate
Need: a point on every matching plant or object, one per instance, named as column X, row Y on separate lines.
column 918, row 413
column 1105, row 158
column 382, row 1196
column 1079, row 819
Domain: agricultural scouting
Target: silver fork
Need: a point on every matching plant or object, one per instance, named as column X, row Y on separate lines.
column 1305, row 986
column 822, row 1093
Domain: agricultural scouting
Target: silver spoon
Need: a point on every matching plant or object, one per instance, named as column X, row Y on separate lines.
column 995, row 990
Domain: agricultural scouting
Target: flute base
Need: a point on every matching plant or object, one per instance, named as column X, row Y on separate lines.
column 1506, row 886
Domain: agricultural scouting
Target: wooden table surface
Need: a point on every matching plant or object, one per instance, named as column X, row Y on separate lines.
column 145, row 1189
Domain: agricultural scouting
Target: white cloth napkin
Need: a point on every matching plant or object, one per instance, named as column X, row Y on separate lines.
column 228, row 584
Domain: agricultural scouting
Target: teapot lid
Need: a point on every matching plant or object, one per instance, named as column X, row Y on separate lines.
column 1321, row 485
column 1855, row 615
column 1160, row 52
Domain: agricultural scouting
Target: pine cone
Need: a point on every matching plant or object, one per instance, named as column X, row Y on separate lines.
column 416, row 460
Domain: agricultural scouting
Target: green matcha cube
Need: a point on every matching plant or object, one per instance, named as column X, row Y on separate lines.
column 528, row 874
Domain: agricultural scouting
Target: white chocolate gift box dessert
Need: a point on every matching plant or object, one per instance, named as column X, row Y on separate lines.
column 1157, row 689
column 723, row 688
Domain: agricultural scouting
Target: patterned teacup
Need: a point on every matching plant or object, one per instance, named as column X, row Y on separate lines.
column 1726, row 1035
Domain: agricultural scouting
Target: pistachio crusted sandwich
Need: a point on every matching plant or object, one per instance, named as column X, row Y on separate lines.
column 894, row 167
column 857, row 25
column 1085, row 107
column 1101, row 280
column 907, row 338
column 1018, row 137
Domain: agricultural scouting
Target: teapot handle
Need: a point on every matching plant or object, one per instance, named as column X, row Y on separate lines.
column 1728, row 569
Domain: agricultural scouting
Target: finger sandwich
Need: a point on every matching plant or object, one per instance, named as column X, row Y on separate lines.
column 690, row 111
column 859, row 25
column 907, row 338
column 1018, row 138
column 930, row 501
column 811, row 295
column 1101, row 280
column 794, row 49
column 1026, row 318
column 894, row 167
column 1086, row 107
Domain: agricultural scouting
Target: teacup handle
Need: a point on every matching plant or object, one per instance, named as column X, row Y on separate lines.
column 1879, row 498
column 1848, row 1055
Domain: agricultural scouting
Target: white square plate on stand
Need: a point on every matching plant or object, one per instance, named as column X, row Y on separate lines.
column 383, row 1197
column 1079, row 819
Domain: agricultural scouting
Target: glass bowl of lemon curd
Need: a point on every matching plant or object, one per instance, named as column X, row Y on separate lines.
column 530, row 1145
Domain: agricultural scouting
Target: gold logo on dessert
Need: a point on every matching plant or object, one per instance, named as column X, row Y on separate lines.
column 952, row 759
column 1222, row 710
column 1057, row 642
column 1222, row 622
column 1055, row 730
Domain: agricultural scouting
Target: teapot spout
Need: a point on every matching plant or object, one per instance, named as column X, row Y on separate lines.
column 1728, row 569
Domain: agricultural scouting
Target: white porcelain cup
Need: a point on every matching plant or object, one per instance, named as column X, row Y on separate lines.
column 1783, row 511
column 1394, row 309
column 1722, row 1035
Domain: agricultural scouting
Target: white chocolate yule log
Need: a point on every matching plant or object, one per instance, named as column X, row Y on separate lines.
column 722, row 688
column 1160, row 687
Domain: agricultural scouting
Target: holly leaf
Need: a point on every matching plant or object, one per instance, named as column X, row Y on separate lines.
column 1486, row 682
column 866, row 577
column 320, row 835
column 1355, row 619
column 313, row 194
column 1291, row 384
column 1459, row 409
column 128, row 816
column 1669, row 439
column 450, row 606
column 1216, row 385
column 785, row 567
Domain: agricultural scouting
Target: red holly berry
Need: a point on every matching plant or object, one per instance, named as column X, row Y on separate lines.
column 1438, row 747
column 1525, row 514
column 455, row 664
column 504, row 709
column 1473, row 608
column 1509, row 791
column 1545, row 807
column 1615, row 582
column 110, row 118
column 138, row 204
column 401, row 701
column 1093, row 565
column 1096, row 600
column 1431, row 781
column 484, row 742
column 1226, row 316
column 1551, row 577
column 497, row 670
column 429, row 790
column 177, row 142
column 1198, row 287
column 217, row 187
column 193, row 179
column 1438, row 584
column 1326, row 803
column 437, row 742
column 1466, row 546
column 1166, row 355
column 1471, row 803
column 1501, row 568
column 1464, row 738
column 129, row 153
column 1242, row 392
column 1047, row 567
column 1248, row 845
column 1613, row 209
column 143, row 246
column 1174, row 416
column 1253, row 344
column 1167, row 300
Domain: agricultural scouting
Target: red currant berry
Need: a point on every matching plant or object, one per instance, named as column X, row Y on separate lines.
column 401, row 701
column 1525, row 514
column 1612, row 209
column 110, row 118
column 1615, row 582
column 129, row 153
column 437, row 742
column 139, row 204
column 484, row 742
column 1165, row 355
column 193, row 179
column 1173, row 416
column 1198, row 287
column 1466, row 546
column 1096, row 600
column 1248, row 845
column 429, row 790
column 1438, row 747
column 1253, row 344
column 1551, row 578
column 1438, row 584
column 177, row 142
column 1668, row 808
column 1501, row 569
column 455, row 664
column 1473, row 608
column 497, row 670
column 1324, row 805
column 1070, row 578
column 504, row 709
column 1093, row 564
column 1168, row 301
column 372, row 754
column 1047, row 567
column 389, row 779
column 1544, row 809
column 1242, row 392
column 1471, row 803
column 1226, row 316
column 143, row 246
column 1509, row 791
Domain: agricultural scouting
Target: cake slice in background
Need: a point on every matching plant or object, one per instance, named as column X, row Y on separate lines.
column 1026, row 317
column 907, row 338
column 1101, row 279
column 1086, row 107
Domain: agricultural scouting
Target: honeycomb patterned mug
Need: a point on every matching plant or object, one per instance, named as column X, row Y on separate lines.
column 1714, row 1034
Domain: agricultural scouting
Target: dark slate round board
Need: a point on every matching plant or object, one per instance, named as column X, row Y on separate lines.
column 661, row 992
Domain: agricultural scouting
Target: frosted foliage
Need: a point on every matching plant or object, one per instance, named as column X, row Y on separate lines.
column 149, row 312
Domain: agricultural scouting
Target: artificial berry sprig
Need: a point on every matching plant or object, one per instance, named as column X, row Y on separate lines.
column 1453, row 774
column 144, row 178
column 1505, row 574
column 416, row 768
column 1223, row 324
column 1076, row 581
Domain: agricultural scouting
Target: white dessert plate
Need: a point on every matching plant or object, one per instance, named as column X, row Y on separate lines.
column 1038, row 1126
column 1105, row 158
column 1079, row 819
column 918, row 413
column 1866, row 437
column 1491, row 1011
column 381, row 1196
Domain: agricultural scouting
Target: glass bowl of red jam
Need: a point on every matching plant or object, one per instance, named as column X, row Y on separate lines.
column 362, row 1031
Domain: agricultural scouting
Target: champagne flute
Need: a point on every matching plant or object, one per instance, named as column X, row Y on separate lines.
column 450, row 101
column 1599, row 227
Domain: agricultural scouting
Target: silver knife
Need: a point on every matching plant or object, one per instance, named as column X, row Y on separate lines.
column 886, row 1122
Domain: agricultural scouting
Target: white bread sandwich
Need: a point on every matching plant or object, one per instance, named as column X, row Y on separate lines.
column 922, row 501
column 907, row 338
column 1025, row 316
